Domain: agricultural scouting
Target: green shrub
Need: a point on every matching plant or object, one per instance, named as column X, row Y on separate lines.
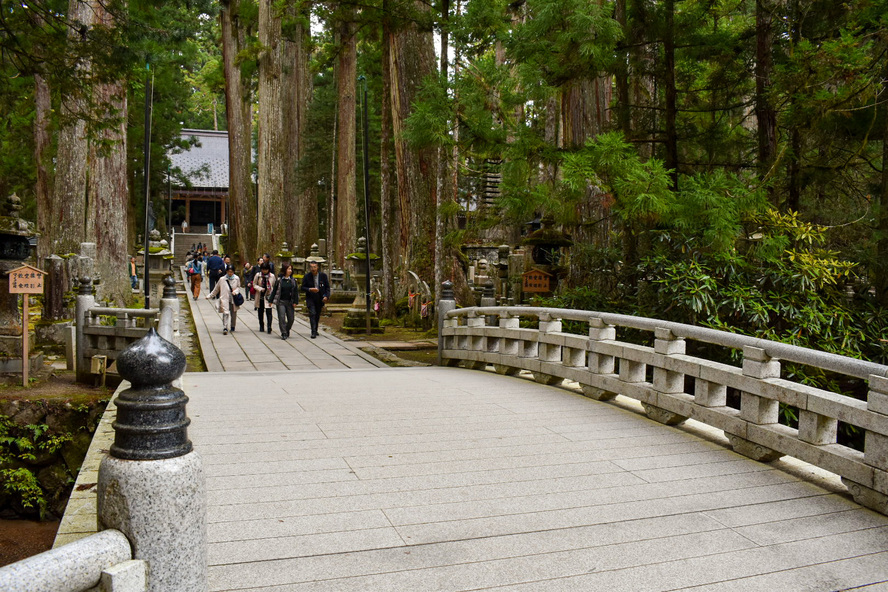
column 18, row 446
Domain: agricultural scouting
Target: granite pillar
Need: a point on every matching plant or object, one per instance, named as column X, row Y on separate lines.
column 152, row 486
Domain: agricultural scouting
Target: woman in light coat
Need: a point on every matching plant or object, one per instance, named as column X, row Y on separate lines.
column 263, row 283
column 227, row 285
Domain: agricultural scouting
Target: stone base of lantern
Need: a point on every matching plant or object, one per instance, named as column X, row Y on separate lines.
column 355, row 322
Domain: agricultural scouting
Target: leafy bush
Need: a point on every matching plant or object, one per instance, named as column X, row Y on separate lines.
column 20, row 445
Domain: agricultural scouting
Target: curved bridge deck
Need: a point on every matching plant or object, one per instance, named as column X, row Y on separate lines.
column 448, row 479
column 327, row 473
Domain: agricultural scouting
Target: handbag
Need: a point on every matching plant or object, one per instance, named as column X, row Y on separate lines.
column 236, row 297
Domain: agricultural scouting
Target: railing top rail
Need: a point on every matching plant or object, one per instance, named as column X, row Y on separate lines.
column 72, row 567
column 790, row 353
column 133, row 312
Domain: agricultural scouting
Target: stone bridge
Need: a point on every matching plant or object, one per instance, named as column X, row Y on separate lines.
column 552, row 472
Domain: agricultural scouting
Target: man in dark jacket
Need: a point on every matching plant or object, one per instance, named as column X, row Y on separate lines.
column 317, row 291
column 215, row 268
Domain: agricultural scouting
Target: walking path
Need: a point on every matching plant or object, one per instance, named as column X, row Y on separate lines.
column 247, row 349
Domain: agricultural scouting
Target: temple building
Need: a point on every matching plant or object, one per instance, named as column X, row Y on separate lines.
column 204, row 201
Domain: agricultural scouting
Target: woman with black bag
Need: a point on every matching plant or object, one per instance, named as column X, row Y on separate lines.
column 230, row 298
column 285, row 296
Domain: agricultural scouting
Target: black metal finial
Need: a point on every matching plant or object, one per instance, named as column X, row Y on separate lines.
column 86, row 286
column 447, row 290
column 169, row 286
column 151, row 421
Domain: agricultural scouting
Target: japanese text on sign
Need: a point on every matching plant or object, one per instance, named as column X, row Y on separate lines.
column 26, row 280
column 537, row 281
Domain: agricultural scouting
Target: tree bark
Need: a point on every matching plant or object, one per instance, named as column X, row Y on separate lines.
column 412, row 59
column 271, row 205
column 331, row 196
column 671, row 137
column 107, row 196
column 346, row 196
column 621, row 77
column 302, row 208
column 237, row 114
column 67, row 215
column 443, row 160
column 880, row 266
column 765, row 113
column 42, row 144
column 390, row 232
column 108, row 192
column 306, row 210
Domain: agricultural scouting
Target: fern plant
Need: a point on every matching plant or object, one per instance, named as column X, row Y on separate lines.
column 19, row 445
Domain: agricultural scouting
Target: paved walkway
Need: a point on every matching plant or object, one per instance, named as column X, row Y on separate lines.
column 248, row 349
column 429, row 479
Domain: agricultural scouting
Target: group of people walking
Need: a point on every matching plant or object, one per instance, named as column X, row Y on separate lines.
column 259, row 283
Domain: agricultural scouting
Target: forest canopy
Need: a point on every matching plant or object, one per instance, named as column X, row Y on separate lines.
column 718, row 162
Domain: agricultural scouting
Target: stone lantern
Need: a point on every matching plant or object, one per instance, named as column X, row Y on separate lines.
column 356, row 317
column 285, row 256
column 14, row 250
column 158, row 263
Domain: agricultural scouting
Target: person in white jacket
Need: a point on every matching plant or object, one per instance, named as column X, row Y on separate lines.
column 227, row 286
column 263, row 283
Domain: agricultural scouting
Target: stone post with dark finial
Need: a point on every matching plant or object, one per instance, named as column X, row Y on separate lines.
column 445, row 304
column 86, row 299
column 169, row 310
column 152, row 485
column 488, row 299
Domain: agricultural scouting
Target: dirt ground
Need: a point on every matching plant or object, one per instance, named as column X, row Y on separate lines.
column 391, row 333
column 22, row 538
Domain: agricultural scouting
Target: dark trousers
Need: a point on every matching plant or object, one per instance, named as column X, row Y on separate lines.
column 214, row 277
column 264, row 314
column 285, row 316
column 314, row 313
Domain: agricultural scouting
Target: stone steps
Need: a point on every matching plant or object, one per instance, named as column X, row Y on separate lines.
column 183, row 244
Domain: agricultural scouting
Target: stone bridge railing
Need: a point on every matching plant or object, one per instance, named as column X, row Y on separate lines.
column 97, row 337
column 673, row 386
column 104, row 558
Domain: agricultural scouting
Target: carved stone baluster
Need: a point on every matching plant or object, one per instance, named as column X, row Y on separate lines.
column 875, row 494
column 151, row 487
column 666, row 381
column 756, row 409
column 509, row 346
column 477, row 343
column 600, row 363
column 548, row 352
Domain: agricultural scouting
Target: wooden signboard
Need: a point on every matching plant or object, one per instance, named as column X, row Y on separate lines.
column 25, row 280
column 536, row 281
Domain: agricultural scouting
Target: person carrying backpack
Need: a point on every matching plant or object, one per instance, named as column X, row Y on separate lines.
column 195, row 275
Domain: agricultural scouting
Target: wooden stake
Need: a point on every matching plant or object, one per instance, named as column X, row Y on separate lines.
column 25, row 363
